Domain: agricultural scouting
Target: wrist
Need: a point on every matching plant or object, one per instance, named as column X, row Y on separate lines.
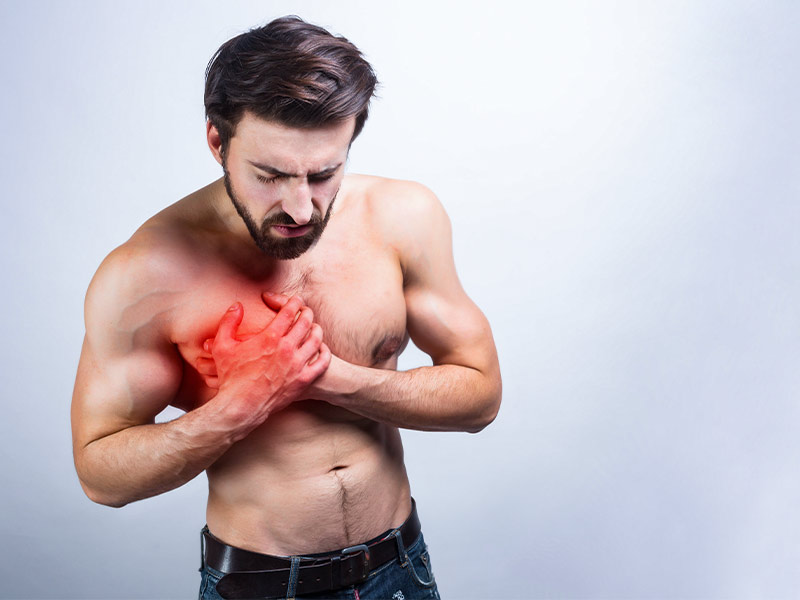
column 231, row 412
column 336, row 384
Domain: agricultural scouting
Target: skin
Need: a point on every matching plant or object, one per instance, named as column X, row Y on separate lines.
column 286, row 369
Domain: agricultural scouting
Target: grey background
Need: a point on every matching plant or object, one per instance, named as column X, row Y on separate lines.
column 623, row 184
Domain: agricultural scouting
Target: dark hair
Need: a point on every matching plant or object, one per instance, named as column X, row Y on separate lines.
column 289, row 71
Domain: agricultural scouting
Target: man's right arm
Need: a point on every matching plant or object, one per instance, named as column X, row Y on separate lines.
column 130, row 371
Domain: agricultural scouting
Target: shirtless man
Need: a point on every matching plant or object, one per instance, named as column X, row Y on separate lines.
column 219, row 305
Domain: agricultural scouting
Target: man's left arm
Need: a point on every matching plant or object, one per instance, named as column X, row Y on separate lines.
column 462, row 390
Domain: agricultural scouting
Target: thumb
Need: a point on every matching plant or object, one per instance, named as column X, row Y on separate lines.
column 230, row 322
column 274, row 301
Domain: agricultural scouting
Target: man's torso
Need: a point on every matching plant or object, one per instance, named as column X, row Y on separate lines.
column 313, row 477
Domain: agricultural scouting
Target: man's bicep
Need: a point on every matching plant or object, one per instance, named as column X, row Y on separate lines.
column 128, row 370
column 450, row 329
column 114, row 392
column 443, row 321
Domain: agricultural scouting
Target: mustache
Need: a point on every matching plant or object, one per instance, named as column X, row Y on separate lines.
column 282, row 218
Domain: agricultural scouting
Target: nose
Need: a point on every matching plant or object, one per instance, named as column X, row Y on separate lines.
column 297, row 201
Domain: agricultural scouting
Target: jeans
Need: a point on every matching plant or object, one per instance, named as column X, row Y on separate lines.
column 406, row 578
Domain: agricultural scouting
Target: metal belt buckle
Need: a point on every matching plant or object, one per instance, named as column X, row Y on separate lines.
column 355, row 550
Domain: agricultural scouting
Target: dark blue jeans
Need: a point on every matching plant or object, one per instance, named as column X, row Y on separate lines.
column 407, row 578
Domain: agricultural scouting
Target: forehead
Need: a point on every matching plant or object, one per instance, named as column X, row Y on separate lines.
column 291, row 148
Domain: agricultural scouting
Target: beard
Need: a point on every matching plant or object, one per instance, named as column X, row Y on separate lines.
column 280, row 248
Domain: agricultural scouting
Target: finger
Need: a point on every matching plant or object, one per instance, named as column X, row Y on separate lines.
column 312, row 343
column 230, row 323
column 275, row 301
column 285, row 317
column 206, row 367
column 208, row 344
column 323, row 360
column 302, row 325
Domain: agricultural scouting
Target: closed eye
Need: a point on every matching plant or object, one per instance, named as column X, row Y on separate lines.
column 263, row 179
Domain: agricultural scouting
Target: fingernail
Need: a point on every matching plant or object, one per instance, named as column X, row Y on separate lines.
column 234, row 307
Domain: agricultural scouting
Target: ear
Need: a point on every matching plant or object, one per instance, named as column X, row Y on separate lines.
column 214, row 141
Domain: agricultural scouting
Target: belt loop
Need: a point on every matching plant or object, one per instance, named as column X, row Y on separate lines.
column 203, row 548
column 402, row 557
column 293, row 574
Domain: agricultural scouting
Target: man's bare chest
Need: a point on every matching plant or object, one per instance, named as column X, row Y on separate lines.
column 356, row 294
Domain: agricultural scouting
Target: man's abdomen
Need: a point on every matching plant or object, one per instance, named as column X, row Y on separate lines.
column 313, row 478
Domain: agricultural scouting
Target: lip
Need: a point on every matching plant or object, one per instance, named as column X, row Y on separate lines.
column 291, row 231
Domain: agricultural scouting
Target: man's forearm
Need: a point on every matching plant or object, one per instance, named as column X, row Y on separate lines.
column 146, row 460
column 437, row 398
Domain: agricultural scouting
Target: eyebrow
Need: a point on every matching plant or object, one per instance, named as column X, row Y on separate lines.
column 277, row 172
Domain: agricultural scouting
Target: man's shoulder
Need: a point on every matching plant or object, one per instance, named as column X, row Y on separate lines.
column 162, row 249
column 401, row 207
column 407, row 215
column 143, row 271
column 385, row 194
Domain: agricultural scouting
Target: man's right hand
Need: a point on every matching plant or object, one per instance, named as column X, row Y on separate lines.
column 264, row 373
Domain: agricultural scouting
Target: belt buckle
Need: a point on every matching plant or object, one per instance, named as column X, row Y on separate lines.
column 355, row 550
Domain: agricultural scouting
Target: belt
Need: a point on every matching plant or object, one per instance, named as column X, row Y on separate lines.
column 254, row 575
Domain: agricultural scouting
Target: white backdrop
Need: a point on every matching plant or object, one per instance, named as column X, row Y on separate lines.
column 623, row 184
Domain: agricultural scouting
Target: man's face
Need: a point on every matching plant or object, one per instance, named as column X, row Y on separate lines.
column 283, row 181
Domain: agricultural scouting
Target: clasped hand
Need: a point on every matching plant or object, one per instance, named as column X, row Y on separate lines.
column 272, row 368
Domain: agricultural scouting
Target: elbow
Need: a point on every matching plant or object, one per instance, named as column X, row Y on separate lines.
column 487, row 413
column 104, row 499
column 489, row 406
column 88, row 477
column 100, row 497
column 111, row 503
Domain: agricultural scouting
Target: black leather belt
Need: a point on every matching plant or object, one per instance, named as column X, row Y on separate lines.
column 253, row 575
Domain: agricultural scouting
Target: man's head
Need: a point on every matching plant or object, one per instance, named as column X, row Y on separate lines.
column 284, row 102
column 291, row 72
